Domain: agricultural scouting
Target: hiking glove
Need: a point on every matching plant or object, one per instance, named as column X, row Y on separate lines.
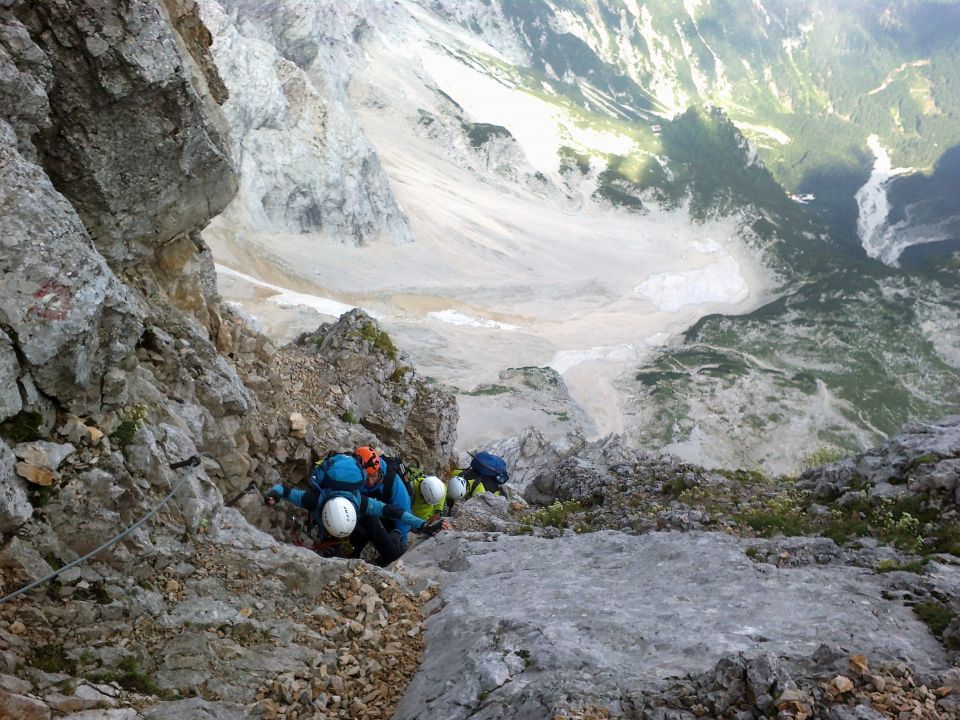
column 431, row 529
column 273, row 495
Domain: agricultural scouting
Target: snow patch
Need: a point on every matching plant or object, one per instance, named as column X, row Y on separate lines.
column 290, row 298
column 719, row 282
column 564, row 360
column 454, row 317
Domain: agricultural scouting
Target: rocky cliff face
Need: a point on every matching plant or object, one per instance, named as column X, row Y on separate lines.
column 305, row 164
column 118, row 360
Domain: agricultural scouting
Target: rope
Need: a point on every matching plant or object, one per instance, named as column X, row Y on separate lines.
column 191, row 462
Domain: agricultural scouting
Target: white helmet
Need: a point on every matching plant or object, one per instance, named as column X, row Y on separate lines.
column 339, row 517
column 433, row 489
column 457, row 487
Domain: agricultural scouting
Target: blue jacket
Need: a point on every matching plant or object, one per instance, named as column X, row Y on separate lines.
column 365, row 504
column 399, row 497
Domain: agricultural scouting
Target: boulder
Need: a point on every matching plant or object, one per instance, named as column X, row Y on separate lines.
column 43, row 454
column 528, row 455
column 23, row 707
column 524, row 622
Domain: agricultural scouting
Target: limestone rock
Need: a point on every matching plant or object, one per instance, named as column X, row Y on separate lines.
column 24, row 558
column 485, row 512
column 35, row 475
column 528, row 455
column 408, row 414
column 15, row 507
column 197, row 709
column 290, row 121
column 298, row 425
column 26, row 74
column 43, row 454
column 114, row 66
column 597, row 613
column 72, row 318
column 10, row 400
column 22, row 707
column 923, row 459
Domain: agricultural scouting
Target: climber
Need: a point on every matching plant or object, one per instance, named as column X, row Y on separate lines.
column 486, row 473
column 429, row 496
column 456, row 488
column 337, row 507
column 385, row 481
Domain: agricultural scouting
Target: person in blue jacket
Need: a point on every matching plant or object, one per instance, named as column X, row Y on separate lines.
column 384, row 483
column 343, row 512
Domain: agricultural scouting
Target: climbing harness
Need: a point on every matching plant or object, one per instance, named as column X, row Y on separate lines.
column 193, row 461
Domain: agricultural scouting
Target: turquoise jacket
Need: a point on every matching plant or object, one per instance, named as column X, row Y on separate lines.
column 313, row 502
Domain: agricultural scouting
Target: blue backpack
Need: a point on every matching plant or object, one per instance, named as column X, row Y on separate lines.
column 490, row 466
column 339, row 472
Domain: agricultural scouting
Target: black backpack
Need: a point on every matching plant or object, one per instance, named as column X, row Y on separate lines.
column 395, row 467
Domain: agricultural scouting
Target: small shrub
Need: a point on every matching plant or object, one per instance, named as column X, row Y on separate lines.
column 399, row 373
column 379, row 339
column 821, row 456
column 781, row 514
column 893, row 523
column 843, row 526
column 22, row 427
column 946, row 539
column 480, row 133
column 53, row 659
column 674, row 486
column 130, row 676
column 925, row 459
column 39, row 495
column 349, row 417
column 555, row 514
column 935, row 615
column 128, row 427
column 886, row 566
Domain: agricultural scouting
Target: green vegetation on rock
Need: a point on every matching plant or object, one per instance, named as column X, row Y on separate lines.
column 22, row 427
column 379, row 339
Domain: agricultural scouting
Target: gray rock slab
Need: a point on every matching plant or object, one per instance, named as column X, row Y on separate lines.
column 71, row 316
column 195, row 709
column 202, row 612
column 136, row 175
column 10, row 400
column 523, row 619
column 15, row 507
